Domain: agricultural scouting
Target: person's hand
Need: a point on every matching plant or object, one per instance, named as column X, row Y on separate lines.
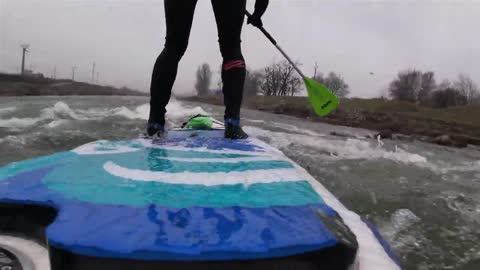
column 256, row 18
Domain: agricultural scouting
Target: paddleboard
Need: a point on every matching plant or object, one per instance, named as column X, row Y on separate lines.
column 191, row 200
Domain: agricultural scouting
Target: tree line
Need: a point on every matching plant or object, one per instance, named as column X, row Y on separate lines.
column 276, row 79
column 281, row 79
column 421, row 87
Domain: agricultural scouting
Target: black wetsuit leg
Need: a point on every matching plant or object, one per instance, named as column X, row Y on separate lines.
column 230, row 15
column 179, row 17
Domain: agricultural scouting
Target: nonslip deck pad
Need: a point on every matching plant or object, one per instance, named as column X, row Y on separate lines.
column 192, row 196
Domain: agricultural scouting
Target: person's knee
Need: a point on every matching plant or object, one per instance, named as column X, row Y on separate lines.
column 175, row 50
column 231, row 50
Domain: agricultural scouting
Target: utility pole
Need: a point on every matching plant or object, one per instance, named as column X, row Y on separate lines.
column 93, row 73
column 24, row 52
column 98, row 77
column 73, row 73
column 55, row 72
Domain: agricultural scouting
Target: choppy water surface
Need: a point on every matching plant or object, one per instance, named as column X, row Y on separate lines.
column 424, row 198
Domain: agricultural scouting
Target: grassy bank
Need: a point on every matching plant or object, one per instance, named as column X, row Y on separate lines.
column 16, row 85
column 456, row 126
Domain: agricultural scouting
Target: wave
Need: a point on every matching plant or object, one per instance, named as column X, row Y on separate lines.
column 7, row 110
column 18, row 123
column 61, row 113
column 394, row 230
column 14, row 140
column 178, row 111
column 175, row 111
column 338, row 149
column 361, row 149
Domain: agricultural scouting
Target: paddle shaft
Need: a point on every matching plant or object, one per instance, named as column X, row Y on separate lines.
column 275, row 43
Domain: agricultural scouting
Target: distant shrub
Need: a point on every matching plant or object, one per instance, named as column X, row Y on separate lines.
column 413, row 85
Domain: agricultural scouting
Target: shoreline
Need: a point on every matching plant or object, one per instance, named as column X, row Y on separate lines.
column 12, row 85
column 455, row 127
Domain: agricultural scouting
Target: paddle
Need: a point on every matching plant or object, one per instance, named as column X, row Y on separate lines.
column 321, row 98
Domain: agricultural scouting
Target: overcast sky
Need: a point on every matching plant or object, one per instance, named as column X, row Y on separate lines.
column 352, row 37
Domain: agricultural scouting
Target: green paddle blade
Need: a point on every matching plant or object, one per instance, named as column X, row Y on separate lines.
column 322, row 99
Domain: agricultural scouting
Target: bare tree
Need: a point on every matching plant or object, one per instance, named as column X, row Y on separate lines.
column 334, row 82
column 467, row 87
column 253, row 80
column 447, row 96
column 407, row 85
column 204, row 78
column 444, row 85
column 280, row 79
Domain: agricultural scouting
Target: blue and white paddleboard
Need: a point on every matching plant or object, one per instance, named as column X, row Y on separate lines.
column 192, row 196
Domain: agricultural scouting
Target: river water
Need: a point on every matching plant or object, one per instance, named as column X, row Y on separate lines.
column 424, row 198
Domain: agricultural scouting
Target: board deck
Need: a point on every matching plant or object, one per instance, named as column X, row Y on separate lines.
column 192, row 196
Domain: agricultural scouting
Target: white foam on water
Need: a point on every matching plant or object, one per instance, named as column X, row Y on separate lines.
column 31, row 255
column 58, row 111
column 463, row 167
column 351, row 149
column 7, row 110
column 338, row 149
column 295, row 129
column 127, row 113
column 256, row 121
column 394, row 230
column 19, row 123
column 140, row 112
column 63, row 111
column 176, row 110
column 15, row 140
column 56, row 123
column 402, row 219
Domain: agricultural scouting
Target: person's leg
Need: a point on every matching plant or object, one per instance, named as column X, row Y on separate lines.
column 179, row 17
column 230, row 17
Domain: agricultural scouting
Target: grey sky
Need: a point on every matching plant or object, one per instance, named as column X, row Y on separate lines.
column 353, row 37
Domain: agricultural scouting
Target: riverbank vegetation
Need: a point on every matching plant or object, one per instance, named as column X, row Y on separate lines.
column 416, row 107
